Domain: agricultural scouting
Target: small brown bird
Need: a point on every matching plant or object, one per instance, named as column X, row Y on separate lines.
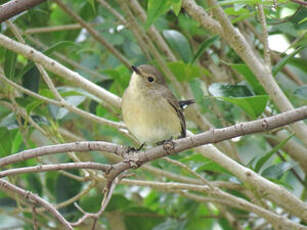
column 150, row 110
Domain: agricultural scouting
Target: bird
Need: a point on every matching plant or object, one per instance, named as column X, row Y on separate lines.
column 150, row 110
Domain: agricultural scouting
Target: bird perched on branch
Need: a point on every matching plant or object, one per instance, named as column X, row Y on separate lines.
column 149, row 108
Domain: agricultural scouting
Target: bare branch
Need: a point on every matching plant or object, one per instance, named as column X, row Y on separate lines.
column 93, row 32
column 236, row 40
column 32, row 198
column 59, row 148
column 53, row 28
column 266, row 49
column 55, row 167
column 61, row 70
column 211, row 136
column 14, row 7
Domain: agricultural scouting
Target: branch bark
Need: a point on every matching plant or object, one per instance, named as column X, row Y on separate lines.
column 262, row 186
column 59, row 69
column 32, row 198
column 14, row 7
column 235, row 39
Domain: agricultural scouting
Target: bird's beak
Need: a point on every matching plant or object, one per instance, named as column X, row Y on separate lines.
column 135, row 69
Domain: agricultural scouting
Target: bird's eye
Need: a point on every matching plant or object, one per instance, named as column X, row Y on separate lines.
column 150, row 79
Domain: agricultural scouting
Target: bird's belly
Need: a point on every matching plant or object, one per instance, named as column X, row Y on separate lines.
column 151, row 121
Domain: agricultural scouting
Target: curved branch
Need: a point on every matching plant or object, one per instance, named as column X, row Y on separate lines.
column 264, row 187
column 59, row 69
column 236, row 40
column 55, row 167
column 94, row 33
column 32, row 198
column 82, row 146
column 14, row 7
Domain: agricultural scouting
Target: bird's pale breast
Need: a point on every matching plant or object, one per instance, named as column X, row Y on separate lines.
column 150, row 118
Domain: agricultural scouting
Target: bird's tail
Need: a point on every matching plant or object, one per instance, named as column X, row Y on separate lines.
column 185, row 103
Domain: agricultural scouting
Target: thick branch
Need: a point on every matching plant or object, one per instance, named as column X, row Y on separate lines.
column 57, row 68
column 32, row 198
column 56, row 167
column 14, row 7
column 94, row 33
column 217, row 135
column 83, row 146
column 211, row 136
column 236, row 40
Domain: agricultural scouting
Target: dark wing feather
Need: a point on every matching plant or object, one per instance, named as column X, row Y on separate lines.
column 185, row 103
column 175, row 105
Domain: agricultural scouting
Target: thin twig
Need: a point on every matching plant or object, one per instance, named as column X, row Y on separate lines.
column 93, row 32
column 266, row 49
column 32, row 198
column 178, row 163
column 54, row 28
column 14, row 7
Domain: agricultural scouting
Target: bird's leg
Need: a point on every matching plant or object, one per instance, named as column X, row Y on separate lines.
column 164, row 141
column 168, row 145
column 133, row 149
column 131, row 156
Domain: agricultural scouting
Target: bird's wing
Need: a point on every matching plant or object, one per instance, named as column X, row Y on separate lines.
column 174, row 103
column 185, row 103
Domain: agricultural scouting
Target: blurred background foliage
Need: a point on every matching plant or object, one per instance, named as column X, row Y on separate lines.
column 226, row 92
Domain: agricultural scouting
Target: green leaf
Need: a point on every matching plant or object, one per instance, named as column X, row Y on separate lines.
column 204, row 45
column 156, row 8
column 228, row 90
column 59, row 113
column 138, row 222
column 303, row 20
column 268, row 155
column 34, row 183
column 57, row 46
column 284, row 61
column 253, row 105
column 91, row 202
column 242, row 17
column 277, row 171
column 249, row 77
column 30, row 79
column 118, row 202
column 176, row 6
column 16, row 142
column 92, row 3
column 211, row 166
column 33, row 105
column 6, row 141
column 286, row 28
column 301, row 92
column 186, row 72
column 179, row 43
column 10, row 64
column 170, row 224
column 65, row 188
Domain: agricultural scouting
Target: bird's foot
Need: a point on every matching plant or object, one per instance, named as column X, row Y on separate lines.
column 133, row 149
column 164, row 141
column 131, row 156
column 168, row 145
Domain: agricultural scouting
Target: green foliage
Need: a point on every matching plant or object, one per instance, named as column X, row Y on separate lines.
column 179, row 43
column 268, row 155
column 156, row 8
column 9, row 64
column 186, row 72
column 249, row 77
column 252, row 105
column 203, row 46
column 224, row 87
